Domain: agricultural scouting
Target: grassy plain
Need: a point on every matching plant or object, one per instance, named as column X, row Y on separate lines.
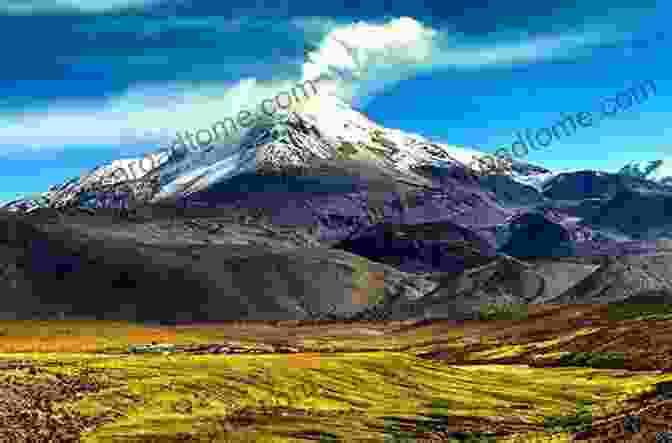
column 385, row 381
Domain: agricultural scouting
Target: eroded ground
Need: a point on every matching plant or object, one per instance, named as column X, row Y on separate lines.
column 386, row 381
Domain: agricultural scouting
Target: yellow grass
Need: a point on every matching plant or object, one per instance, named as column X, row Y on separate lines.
column 363, row 387
column 348, row 394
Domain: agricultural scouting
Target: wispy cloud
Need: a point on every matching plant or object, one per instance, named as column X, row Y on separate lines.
column 58, row 6
column 149, row 114
column 380, row 54
column 401, row 48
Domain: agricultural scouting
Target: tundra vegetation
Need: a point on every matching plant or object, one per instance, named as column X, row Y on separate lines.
column 504, row 311
column 335, row 381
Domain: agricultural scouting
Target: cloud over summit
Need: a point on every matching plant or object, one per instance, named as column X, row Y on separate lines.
column 197, row 81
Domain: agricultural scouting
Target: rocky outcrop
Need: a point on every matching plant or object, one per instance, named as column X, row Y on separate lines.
column 171, row 270
column 623, row 278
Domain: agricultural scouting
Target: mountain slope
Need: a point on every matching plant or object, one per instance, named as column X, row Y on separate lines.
column 322, row 212
column 623, row 278
column 166, row 270
column 657, row 170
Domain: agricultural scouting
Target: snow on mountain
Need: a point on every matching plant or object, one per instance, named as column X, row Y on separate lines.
column 537, row 181
column 321, row 127
column 657, row 170
column 325, row 132
column 105, row 176
column 540, row 181
column 126, row 169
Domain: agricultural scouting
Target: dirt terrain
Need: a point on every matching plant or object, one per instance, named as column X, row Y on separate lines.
column 496, row 380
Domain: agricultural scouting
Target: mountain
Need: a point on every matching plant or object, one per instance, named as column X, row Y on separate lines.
column 321, row 213
column 320, row 128
column 656, row 170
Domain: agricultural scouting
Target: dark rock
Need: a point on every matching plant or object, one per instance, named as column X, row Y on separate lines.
column 427, row 247
column 536, row 235
column 663, row 437
column 664, row 390
column 583, row 435
column 148, row 270
column 632, row 423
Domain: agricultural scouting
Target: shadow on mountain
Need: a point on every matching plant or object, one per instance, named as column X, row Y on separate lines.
column 511, row 192
column 655, row 297
column 581, row 185
column 98, row 267
column 633, row 279
column 427, row 247
column 639, row 215
column 534, row 235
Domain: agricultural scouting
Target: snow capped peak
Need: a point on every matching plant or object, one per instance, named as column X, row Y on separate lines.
column 320, row 127
column 656, row 170
column 333, row 116
column 321, row 104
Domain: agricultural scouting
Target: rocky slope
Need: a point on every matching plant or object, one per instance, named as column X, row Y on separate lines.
column 324, row 213
column 183, row 270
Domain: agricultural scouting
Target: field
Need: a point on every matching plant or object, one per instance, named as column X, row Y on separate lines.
column 559, row 371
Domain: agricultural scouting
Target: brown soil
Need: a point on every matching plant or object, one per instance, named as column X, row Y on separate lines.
column 647, row 345
column 27, row 393
column 27, row 412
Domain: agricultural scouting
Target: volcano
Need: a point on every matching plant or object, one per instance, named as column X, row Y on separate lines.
column 322, row 213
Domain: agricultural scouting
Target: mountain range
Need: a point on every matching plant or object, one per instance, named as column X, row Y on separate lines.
column 321, row 213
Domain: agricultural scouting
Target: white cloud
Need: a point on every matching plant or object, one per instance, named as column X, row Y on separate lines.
column 149, row 114
column 381, row 55
column 51, row 6
column 387, row 53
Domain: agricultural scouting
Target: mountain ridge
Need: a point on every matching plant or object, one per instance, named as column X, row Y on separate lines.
column 395, row 225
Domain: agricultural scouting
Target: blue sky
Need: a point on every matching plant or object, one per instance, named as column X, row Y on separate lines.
column 85, row 82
